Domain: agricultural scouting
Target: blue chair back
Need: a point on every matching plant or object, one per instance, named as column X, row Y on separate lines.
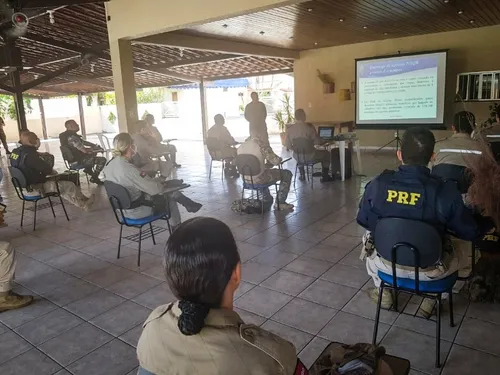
column 451, row 172
column 118, row 195
column 408, row 242
column 19, row 181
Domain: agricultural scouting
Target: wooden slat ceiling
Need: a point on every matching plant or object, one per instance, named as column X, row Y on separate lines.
column 323, row 23
column 81, row 28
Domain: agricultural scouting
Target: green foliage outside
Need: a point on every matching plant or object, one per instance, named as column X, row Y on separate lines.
column 8, row 106
column 151, row 95
column 285, row 115
column 112, row 118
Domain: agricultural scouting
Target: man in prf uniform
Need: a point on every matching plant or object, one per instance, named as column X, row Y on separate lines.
column 256, row 114
column 412, row 193
column 84, row 152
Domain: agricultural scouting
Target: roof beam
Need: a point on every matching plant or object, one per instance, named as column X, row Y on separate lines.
column 201, row 43
column 7, row 88
column 50, row 75
column 199, row 60
column 98, row 51
column 245, row 75
column 69, row 77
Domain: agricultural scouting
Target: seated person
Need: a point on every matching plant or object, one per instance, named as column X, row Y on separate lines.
column 227, row 142
column 432, row 200
column 201, row 333
column 36, row 169
column 140, row 186
column 493, row 129
column 8, row 299
column 263, row 151
column 84, row 152
column 171, row 149
column 454, row 149
column 146, row 150
column 301, row 129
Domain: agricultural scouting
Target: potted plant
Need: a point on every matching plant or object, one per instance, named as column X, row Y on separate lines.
column 284, row 117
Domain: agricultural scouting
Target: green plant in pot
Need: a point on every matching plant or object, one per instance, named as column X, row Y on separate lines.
column 284, row 117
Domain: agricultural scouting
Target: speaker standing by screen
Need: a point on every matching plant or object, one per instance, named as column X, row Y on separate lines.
column 396, row 92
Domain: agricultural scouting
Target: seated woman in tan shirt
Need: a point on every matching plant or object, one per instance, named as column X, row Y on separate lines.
column 201, row 333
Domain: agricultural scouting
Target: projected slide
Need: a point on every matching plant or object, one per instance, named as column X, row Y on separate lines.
column 401, row 90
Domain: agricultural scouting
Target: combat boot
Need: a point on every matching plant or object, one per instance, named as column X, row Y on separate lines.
column 12, row 301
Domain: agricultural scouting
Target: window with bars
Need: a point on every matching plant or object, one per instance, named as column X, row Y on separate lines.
column 478, row 86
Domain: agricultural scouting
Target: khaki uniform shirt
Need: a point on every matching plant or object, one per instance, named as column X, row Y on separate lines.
column 494, row 129
column 225, row 346
column 255, row 114
column 122, row 172
column 456, row 150
column 221, row 133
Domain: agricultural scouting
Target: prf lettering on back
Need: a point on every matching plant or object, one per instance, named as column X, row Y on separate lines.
column 402, row 197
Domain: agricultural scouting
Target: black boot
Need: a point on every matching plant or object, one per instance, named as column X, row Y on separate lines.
column 189, row 204
column 302, row 175
column 325, row 176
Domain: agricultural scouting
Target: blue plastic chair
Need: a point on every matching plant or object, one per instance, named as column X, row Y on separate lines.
column 456, row 173
column 20, row 182
column 249, row 167
column 302, row 148
column 120, row 200
column 412, row 243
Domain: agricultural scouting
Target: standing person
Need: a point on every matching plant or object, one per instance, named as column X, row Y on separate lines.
column 36, row 169
column 301, row 129
column 256, row 114
column 157, row 139
column 141, row 188
column 3, row 137
column 8, row 299
column 412, row 192
column 84, row 152
column 201, row 333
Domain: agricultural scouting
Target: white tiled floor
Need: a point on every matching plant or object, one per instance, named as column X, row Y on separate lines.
column 302, row 280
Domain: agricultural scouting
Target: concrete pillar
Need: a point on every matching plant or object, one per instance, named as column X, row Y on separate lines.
column 123, row 77
column 22, row 124
column 42, row 117
column 204, row 115
column 82, row 116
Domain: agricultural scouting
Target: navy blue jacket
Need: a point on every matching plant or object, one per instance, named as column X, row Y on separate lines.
column 28, row 160
column 412, row 193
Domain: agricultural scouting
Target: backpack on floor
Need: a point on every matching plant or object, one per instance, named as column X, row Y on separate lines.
column 250, row 206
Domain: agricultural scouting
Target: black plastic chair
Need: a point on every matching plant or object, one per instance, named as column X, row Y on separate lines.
column 19, row 181
column 70, row 162
column 495, row 147
column 120, row 200
column 249, row 167
column 456, row 173
column 303, row 150
column 215, row 147
column 416, row 244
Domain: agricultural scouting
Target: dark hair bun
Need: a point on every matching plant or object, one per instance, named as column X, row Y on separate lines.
column 192, row 319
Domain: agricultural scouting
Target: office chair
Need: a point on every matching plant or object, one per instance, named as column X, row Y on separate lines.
column 215, row 148
column 70, row 162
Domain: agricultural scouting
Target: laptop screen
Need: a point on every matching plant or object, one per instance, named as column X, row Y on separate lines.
column 326, row 132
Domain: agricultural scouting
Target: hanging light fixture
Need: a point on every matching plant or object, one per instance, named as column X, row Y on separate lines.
column 92, row 67
column 51, row 16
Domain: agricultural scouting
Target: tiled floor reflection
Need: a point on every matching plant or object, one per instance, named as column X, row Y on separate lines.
column 302, row 279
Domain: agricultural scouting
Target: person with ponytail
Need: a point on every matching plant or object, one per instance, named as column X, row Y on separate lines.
column 140, row 186
column 201, row 333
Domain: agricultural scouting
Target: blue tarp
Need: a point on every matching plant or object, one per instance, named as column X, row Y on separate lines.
column 223, row 83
